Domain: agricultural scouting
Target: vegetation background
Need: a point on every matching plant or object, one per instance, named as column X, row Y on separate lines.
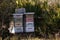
column 46, row 18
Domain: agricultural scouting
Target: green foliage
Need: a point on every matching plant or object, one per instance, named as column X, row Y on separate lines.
column 6, row 9
column 46, row 17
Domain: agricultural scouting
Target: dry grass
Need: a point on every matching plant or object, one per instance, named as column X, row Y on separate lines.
column 16, row 38
column 31, row 38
